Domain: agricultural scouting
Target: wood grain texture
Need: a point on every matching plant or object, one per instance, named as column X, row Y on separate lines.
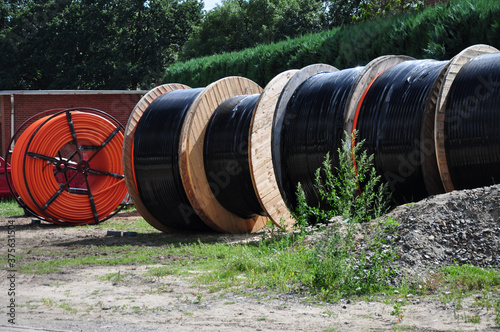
column 279, row 114
column 191, row 162
column 260, row 152
column 453, row 69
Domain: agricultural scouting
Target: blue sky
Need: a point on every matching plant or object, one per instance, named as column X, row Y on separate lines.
column 209, row 4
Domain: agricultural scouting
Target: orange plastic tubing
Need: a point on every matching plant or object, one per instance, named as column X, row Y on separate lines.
column 34, row 175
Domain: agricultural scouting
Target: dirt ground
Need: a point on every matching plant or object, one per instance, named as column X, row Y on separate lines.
column 80, row 299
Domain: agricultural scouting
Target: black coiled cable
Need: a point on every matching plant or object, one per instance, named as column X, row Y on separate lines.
column 390, row 120
column 225, row 154
column 312, row 127
column 156, row 160
column 472, row 124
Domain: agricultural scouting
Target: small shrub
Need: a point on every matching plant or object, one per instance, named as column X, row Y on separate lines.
column 339, row 267
column 352, row 190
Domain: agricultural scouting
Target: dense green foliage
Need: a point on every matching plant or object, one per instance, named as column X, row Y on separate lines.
column 439, row 33
column 81, row 44
column 339, row 268
column 369, row 10
column 237, row 24
column 352, row 189
column 96, row 44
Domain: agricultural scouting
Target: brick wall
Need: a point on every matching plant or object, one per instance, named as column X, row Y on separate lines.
column 26, row 105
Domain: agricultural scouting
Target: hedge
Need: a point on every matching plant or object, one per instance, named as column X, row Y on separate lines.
column 436, row 32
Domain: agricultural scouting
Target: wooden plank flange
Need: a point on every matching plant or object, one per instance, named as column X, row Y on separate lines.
column 456, row 64
column 260, row 152
column 279, row 114
column 191, row 163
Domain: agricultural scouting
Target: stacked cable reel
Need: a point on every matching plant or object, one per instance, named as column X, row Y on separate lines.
column 167, row 157
column 66, row 166
column 228, row 157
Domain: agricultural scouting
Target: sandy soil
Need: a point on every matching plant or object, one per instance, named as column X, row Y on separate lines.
column 81, row 299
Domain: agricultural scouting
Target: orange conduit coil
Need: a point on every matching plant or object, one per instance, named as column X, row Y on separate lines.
column 67, row 167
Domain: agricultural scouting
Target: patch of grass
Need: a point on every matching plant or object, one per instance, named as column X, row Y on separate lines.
column 160, row 271
column 496, row 305
column 476, row 319
column 468, row 278
column 67, row 307
column 105, row 256
column 47, row 302
column 398, row 311
column 114, row 277
column 138, row 225
column 10, row 208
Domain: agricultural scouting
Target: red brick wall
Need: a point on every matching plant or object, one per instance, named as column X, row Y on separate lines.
column 117, row 105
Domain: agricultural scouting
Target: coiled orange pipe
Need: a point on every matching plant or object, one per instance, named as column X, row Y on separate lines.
column 67, row 167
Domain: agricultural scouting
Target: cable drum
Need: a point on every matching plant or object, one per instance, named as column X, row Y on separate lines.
column 472, row 119
column 313, row 126
column 67, row 167
column 156, row 160
column 390, row 120
column 226, row 156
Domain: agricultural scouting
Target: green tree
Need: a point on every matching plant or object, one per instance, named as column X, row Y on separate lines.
column 238, row 24
column 294, row 18
column 341, row 12
column 370, row 9
column 98, row 44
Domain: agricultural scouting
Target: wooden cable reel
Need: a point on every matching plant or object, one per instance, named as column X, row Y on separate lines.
column 192, row 172
column 260, row 151
column 191, row 162
column 128, row 147
column 264, row 138
column 456, row 64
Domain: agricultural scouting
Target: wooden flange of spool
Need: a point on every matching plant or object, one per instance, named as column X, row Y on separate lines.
column 428, row 160
column 369, row 73
column 279, row 114
column 191, row 163
column 456, row 64
column 260, row 155
column 128, row 151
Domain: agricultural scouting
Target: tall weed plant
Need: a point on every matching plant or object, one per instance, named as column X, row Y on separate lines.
column 353, row 189
column 344, row 264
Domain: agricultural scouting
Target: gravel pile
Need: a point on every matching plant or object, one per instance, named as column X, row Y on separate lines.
column 461, row 226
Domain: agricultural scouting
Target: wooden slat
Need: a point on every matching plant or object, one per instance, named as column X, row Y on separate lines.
column 191, row 157
column 260, row 153
column 455, row 66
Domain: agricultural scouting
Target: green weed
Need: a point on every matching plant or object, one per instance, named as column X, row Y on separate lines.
column 398, row 310
column 337, row 270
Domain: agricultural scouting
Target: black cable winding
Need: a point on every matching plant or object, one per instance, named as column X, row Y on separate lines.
column 225, row 152
column 156, row 160
column 390, row 120
column 472, row 122
column 313, row 126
